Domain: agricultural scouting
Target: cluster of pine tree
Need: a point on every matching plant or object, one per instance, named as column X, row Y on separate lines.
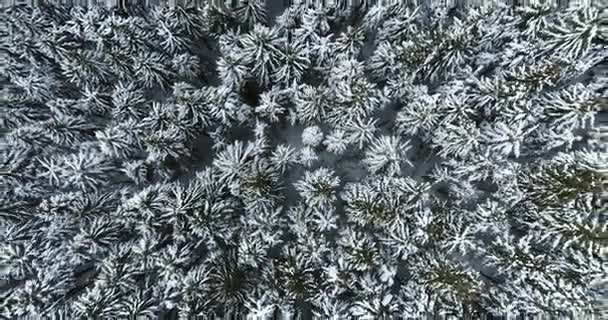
column 383, row 162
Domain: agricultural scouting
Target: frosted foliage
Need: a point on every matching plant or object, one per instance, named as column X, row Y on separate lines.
column 250, row 159
column 312, row 136
column 387, row 154
column 318, row 188
column 308, row 156
column 336, row 142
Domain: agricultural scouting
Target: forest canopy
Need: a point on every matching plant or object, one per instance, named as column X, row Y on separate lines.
column 384, row 162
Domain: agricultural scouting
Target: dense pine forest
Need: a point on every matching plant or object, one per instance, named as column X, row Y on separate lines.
column 383, row 162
